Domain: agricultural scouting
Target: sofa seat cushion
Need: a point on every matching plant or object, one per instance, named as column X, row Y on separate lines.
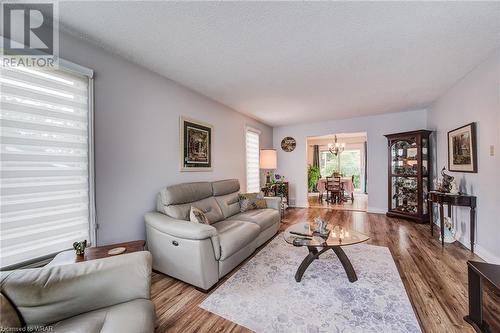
column 235, row 235
column 137, row 316
column 264, row 218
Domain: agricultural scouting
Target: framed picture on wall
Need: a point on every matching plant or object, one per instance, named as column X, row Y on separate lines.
column 195, row 145
column 462, row 150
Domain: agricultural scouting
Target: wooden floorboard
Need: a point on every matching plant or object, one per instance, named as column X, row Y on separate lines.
column 360, row 202
column 435, row 277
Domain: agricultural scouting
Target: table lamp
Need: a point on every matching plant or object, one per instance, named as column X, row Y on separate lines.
column 268, row 161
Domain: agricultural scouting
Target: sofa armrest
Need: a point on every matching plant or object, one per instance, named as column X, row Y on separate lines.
column 183, row 229
column 273, row 202
column 179, row 228
column 49, row 294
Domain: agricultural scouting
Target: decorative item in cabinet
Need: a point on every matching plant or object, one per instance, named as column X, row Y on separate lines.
column 408, row 166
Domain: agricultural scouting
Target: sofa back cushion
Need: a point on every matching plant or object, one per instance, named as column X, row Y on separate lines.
column 185, row 193
column 226, row 186
column 175, row 200
column 208, row 206
column 226, row 194
column 218, row 200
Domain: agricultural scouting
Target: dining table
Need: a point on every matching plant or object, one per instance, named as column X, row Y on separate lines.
column 345, row 181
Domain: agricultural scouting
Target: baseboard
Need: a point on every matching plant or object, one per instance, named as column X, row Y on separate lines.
column 300, row 205
column 486, row 255
column 478, row 249
column 376, row 210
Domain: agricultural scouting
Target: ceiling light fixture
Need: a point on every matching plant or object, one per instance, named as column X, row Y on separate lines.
column 336, row 148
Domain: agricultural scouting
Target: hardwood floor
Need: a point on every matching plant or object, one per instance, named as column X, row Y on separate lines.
column 435, row 278
column 360, row 203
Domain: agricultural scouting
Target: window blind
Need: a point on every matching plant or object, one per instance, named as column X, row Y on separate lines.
column 44, row 169
column 252, row 151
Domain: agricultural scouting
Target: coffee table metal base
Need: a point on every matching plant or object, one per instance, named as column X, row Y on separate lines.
column 314, row 254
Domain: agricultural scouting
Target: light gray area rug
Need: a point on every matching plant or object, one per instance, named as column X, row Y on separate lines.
column 264, row 297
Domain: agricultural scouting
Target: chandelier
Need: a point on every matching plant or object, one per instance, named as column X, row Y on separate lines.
column 336, row 148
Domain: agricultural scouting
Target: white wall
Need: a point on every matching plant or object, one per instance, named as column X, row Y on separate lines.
column 293, row 165
column 476, row 98
column 137, row 138
column 350, row 143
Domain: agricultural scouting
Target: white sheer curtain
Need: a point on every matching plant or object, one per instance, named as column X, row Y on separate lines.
column 45, row 178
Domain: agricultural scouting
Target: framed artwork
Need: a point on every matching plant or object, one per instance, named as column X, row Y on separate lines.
column 195, row 145
column 462, row 150
column 288, row 144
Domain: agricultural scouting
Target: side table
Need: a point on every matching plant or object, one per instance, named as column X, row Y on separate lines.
column 477, row 272
column 98, row 252
column 450, row 200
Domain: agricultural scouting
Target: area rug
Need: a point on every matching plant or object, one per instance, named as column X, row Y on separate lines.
column 264, row 297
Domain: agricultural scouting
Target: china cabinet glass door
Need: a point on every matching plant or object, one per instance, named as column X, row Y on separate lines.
column 404, row 166
column 409, row 174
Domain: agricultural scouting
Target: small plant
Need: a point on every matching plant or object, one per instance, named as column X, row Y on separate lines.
column 313, row 174
column 80, row 247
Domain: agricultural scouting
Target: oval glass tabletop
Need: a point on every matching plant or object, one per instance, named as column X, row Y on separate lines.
column 301, row 234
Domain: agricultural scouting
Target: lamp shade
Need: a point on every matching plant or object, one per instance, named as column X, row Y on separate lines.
column 268, row 159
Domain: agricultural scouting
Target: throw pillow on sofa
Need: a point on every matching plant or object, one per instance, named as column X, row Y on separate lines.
column 249, row 201
column 197, row 215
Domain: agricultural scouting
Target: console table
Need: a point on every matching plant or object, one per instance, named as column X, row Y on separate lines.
column 477, row 271
column 450, row 200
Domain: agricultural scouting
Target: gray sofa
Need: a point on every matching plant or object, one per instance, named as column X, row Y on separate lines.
column 105, row 295
column 200, row 254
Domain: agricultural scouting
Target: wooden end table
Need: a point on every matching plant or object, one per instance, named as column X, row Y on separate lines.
column 477, row 272
column 98, row 252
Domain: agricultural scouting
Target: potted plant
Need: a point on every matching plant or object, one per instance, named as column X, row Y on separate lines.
column 313, row 174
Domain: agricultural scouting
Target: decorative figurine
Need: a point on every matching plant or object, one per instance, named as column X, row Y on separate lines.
column 321, row 227
column 454, row 188
column 80, row 247
column 449, row 231
column 446, row 184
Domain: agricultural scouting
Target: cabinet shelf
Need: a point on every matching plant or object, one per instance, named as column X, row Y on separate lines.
column 408, row 167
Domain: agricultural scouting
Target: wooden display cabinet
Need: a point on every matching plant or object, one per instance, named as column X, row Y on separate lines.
column 409, row 180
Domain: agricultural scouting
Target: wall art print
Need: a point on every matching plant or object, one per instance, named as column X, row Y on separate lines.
column 462, row 150
column 195, row 145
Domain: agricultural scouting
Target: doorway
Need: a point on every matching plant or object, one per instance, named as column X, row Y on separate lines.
column 348, row 162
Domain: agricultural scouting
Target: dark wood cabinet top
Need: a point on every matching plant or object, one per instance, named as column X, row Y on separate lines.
column 451, row 195
column 453, row 199
column 490, row 272
column 99, row 252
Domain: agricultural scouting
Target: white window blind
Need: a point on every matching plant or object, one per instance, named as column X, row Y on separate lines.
column 252, row 149
column 45, row 151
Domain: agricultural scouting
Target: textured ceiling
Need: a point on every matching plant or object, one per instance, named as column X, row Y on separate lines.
column 293, row 62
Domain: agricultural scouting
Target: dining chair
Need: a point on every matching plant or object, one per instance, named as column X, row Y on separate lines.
column 334, row 189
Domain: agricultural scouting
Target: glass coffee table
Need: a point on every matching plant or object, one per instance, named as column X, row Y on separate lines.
column 301, row 234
